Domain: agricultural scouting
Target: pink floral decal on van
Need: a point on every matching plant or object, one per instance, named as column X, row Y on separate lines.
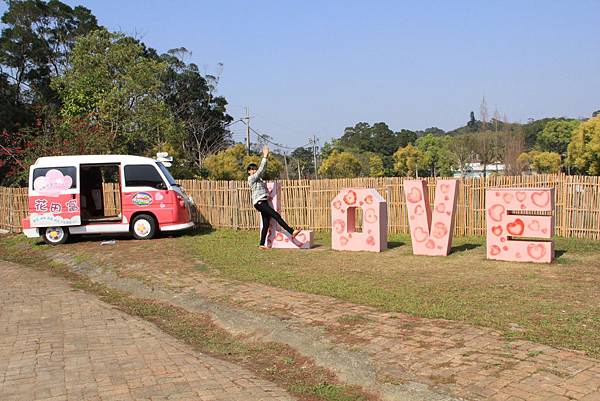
column 52, row 184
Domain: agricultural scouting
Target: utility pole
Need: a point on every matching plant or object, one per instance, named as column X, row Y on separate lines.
column 313, row 142
column 299, row 174
column 247, row 119
column 287, row 174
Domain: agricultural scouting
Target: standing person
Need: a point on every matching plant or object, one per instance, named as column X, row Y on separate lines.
column 260, row 199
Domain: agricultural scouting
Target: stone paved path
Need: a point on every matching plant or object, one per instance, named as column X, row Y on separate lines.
column 465, row 361
column 57, row 343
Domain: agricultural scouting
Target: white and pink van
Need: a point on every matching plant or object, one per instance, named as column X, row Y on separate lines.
column 66, row 197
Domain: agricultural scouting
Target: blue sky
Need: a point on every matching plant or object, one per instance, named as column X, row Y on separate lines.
column 316, row 67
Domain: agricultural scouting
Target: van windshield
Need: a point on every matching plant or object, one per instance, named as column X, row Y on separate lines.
column 167, row 174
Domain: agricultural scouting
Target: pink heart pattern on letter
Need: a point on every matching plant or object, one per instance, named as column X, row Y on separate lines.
column 414, row 195
column 497, row 231
column 494, row 250
column 420, row 234
column 339, row 226
column 534, row 225
column 540, row 199
column 536, row 251
column 496, row 212
column 350, row 198
column 370, row 215
column 440, row 230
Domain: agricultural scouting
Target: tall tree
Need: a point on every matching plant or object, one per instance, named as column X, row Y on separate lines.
column 584, row 149
column 472, row 124
column 461, row 148
column 438, row 158
column 406, row 136
column 483, row 114
column 113, row 84
column 513, row 142
column 340, row 165
column 195, row 106
column 378, row 138
column 12, row 115
column 231, row 163
column 409, row 160
column 556, row 136
column 36, row 42
column 432, row 130
column 376, row 166
column 303, row 160
column 532, row 129
column 485, row 149
column 540, row 162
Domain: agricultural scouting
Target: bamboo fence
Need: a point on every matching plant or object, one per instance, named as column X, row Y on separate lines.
column 13, row 208
column 306, row 203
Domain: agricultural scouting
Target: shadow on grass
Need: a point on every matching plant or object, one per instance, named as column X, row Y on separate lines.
column 395, row 244
column 82, row 238
column 197, row 230
column 559, row 252
column 464, row 247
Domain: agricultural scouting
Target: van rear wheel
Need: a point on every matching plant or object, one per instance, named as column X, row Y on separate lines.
column 55, row 235
column 143, row 226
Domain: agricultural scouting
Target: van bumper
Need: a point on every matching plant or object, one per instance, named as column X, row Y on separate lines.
column 28, row 230
column 31, row 232
column 177, row 227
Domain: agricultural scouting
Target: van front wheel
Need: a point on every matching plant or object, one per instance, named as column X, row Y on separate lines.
column 143, row 226
column 56, row 235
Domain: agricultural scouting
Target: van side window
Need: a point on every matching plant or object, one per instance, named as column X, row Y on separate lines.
column 65, row 171
column 143, row 175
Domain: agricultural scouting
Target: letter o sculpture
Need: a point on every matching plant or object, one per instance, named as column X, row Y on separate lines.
column 344, row 236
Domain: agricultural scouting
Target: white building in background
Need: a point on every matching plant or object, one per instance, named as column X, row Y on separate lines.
column 476, row 170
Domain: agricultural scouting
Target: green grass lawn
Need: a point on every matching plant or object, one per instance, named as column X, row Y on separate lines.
column 556, row 304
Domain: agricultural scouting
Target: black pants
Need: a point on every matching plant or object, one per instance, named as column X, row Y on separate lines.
column 267, row 213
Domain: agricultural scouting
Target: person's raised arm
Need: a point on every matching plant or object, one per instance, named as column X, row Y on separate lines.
column 262, row 167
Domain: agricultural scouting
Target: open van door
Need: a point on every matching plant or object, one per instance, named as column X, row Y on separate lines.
column 54, row 199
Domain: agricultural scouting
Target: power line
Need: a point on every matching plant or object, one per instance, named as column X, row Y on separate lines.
column 266, row 139
column 232, row 123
